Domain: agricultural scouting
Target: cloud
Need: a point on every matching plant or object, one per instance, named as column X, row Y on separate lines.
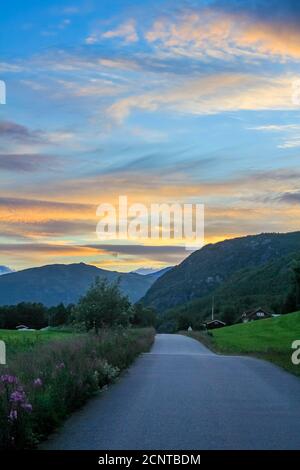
column 93, row 87
column 10, row 68
column 140, row 249
column 289, row 197
column 212, row 94
column 276, row 127
column 126, row 31
column 13, row 131
column 137, row 254
column 23, row 162
column 291, row 143
column 223, row 33
column 291, row 134
column 33, row 210
column 45, row 248
column 52, row 228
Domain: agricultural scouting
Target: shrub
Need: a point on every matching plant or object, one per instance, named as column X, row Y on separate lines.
column 45, row 384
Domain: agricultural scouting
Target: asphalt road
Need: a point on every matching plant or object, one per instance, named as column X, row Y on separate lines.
column 182, row 396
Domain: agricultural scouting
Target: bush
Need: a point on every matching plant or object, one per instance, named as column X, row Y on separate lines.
column 43, row 385
column 103, row 306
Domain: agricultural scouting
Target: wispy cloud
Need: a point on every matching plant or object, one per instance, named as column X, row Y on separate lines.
column 14, row 131
column 213, row 94
column 24, row 162
column 126, row 32
column 291, row 134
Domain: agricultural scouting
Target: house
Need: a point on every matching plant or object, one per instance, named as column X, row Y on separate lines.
column 257, row 314
column 24, row 328
column 215, row 324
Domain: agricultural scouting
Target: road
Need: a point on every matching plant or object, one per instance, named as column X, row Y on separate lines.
column 183, row 396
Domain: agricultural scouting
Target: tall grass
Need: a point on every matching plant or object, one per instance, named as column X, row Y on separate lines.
column 46, row 382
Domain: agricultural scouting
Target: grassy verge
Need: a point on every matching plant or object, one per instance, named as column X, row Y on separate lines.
column 269, row 339
column 24, row 341
column 50, row 374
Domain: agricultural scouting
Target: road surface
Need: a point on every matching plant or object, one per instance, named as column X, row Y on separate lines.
column 183, row 396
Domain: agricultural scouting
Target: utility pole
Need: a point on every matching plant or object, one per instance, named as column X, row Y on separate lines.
column 213, row 308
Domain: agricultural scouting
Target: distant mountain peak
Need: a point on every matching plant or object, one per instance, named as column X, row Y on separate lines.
column 145, row 271
column 5, row 270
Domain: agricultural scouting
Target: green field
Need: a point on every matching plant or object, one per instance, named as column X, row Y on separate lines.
column 19, row 341
column 270, row 339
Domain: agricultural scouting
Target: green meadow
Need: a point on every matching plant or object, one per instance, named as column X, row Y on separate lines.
column 24, row 341
column 269, row 339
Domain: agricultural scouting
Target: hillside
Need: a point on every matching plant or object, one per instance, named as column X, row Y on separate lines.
column 208, row 269
column 57, row 283
column 269, row 339
column 266, row 286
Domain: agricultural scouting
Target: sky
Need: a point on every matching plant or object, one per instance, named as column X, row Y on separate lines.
column 161, row 101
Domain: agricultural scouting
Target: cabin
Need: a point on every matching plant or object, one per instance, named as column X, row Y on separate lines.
column 24, row 328
column 257, row 314
column 211, row 325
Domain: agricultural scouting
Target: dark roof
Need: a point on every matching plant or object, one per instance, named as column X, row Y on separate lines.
column 215, row 321
column 248, row 313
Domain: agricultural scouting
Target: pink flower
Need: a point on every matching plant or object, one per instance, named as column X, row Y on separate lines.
column 13, row 415
column 38, row 382
column 18, row 396
column 27, row 407
column 60, row 366
column 8, row 379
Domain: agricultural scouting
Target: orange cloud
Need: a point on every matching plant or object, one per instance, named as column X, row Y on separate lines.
column 213, row 94
column 126, row 31
column 216, row 33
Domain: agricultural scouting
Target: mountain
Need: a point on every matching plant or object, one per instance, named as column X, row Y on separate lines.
column 57, row 283
column 144, row 271
column 267, row 286
column 152, row 274
column 5, row 270
column 156, row 274
column 207, row 269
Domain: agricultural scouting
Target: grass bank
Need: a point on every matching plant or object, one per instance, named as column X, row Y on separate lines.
column 269, row 339
column 50, row 374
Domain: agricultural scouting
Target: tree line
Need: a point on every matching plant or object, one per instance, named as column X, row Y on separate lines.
column 102, row 306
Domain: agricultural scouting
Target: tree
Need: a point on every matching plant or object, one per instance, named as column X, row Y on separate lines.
column 33, row 315
column 296, row 270
column 229, row 315
column 184, row 321
column 59, row 315
column 292, row 300
column 143, row 316
column 103, row 306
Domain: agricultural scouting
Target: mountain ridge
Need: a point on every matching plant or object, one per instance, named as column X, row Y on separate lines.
column 55, row 283
column 206, row 269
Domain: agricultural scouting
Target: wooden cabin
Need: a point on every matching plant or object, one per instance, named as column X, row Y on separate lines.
column 211, row 325
column 252, row 315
